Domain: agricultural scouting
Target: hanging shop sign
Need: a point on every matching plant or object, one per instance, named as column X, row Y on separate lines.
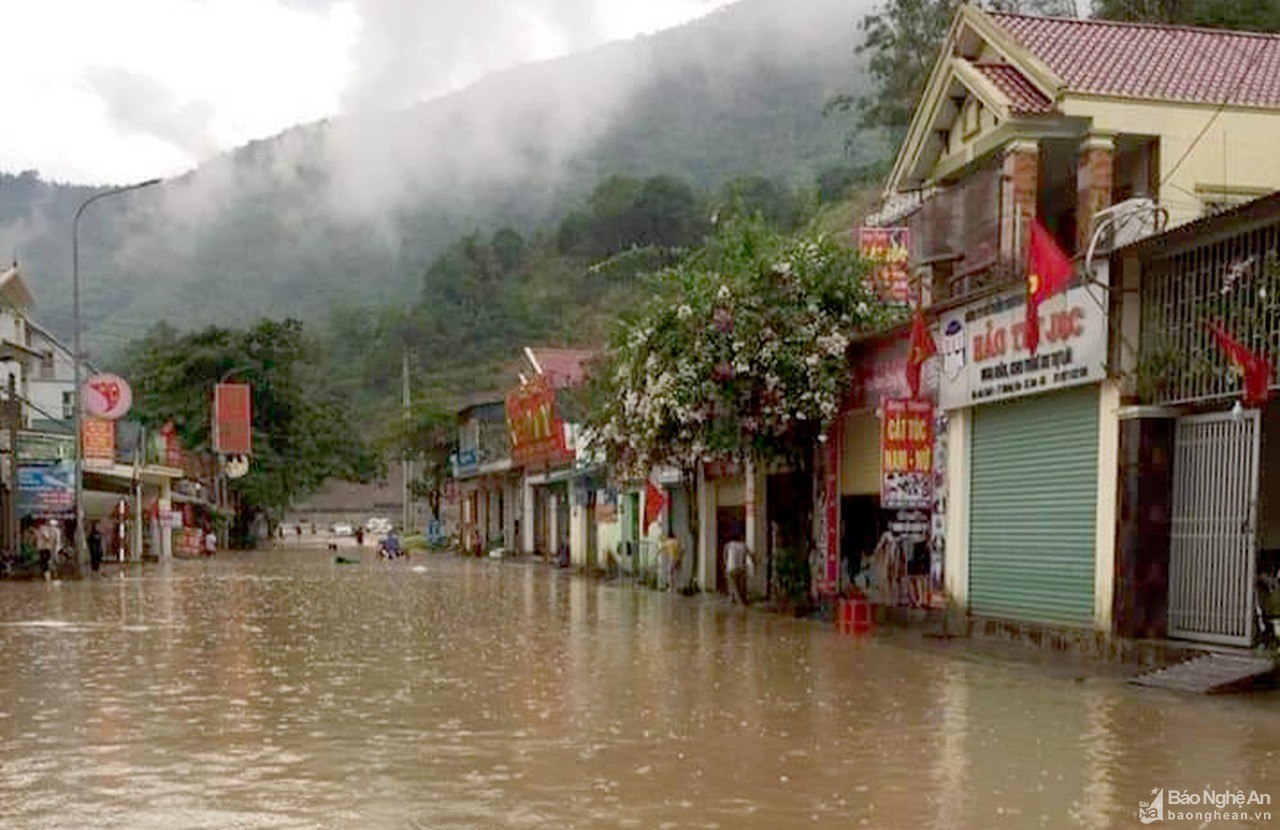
column 537, row 435
column 906, row 455
column 985, row 358
column 46, row 491
column 232, row 419
column 36, row 446
column 106, row 396
column 888, row 249
column 98, row 438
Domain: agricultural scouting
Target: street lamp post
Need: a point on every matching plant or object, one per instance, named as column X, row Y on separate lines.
column 78, row 356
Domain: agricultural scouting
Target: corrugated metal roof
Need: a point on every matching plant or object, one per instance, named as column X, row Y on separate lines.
column 1139, row 60
column 1023, row 96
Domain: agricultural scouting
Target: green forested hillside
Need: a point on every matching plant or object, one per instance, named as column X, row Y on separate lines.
column 345, row 217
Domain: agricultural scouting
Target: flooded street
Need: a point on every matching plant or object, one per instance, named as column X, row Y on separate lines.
column 282, row 690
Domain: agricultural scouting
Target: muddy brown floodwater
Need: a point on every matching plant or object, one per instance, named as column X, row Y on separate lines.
column 282, row 690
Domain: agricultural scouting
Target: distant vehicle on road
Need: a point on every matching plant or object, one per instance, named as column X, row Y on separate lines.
column 378, row 524
column 343, row 529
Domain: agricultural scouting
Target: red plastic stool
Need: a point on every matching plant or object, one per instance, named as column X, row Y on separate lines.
column 853, row 614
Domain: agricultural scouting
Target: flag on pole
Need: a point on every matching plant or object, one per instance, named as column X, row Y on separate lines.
column 922, row 348
column 1048, row 272
column 1254, row 367
column 654, row 501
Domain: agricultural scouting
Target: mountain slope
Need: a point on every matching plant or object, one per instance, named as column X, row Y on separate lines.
column 351, row 211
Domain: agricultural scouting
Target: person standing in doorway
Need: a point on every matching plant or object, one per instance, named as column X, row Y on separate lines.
column 736, row 559
column 95, row 547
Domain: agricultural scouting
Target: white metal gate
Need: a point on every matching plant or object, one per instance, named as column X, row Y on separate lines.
column 1212, row 557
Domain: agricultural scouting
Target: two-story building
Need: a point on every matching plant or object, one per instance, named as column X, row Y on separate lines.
column 1103, row 132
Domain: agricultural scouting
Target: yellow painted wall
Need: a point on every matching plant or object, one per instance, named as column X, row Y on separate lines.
column 1239, row 148
column 860, row 454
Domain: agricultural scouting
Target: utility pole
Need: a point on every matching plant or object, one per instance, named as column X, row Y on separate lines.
column 13, row 421
column 407, row 470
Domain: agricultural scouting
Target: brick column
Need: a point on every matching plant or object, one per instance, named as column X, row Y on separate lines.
column 1021, row 176
column 1093, row 181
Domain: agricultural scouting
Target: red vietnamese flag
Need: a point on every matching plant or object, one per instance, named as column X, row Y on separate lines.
column 1252, row 366
column 654, row 501
column 1048, row 272
column 922, row 348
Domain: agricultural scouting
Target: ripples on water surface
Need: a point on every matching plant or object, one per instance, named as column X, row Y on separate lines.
column 281, row 690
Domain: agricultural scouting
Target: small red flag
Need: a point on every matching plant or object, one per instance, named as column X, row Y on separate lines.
column 1048, row 272
column 654, row 501
column 1252, row 366
column 922, row 348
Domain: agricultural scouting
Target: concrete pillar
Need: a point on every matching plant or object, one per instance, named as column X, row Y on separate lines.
column 956, row 562
column 579, row 515
column 1104, row 578
column 553, row 523
column 511, row 504
column 528, row 517
column 757, row 527
column 1093, row 182
column 166, row 508
column 1021, row 176
column 706, row 531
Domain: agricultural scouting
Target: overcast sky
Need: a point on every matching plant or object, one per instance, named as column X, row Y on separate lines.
column 110, row 91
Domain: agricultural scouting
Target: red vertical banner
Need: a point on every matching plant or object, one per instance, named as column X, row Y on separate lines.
column 232, row 419
column 831, row 493
column 98, row 440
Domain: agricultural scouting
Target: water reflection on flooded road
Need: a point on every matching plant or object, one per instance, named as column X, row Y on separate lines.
column 283, row 690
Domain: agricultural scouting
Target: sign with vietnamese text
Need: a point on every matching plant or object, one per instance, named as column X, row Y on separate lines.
column 887, row 249
column 906, row 455
column 232, row 419
column 984, row 356
column 537, row 435
column 46, row 491
column 106, row 396
column 98, row 438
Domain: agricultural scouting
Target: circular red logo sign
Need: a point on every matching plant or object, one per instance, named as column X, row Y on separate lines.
column 107, row 396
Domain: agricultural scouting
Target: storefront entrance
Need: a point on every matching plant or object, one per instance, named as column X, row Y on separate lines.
column 1213, row 535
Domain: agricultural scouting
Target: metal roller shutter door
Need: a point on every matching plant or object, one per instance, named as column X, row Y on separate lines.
column 1033, row 501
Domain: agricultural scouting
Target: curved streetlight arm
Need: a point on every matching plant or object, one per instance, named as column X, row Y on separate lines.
column 77, row 356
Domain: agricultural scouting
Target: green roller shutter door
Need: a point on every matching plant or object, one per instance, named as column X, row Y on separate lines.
column 1033, row 507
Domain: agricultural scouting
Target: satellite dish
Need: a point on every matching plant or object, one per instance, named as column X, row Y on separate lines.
column 236, row 466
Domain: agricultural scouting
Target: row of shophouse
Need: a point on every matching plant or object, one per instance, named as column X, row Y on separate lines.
column 1111, row 482
column 149, row 497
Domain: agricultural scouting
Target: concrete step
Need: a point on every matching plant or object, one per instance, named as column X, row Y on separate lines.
column 1211, row 673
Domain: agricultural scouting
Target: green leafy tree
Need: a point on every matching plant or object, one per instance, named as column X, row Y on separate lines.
column 427, row 434
column 771, row 199
column 303, row 435
column 1247, row 15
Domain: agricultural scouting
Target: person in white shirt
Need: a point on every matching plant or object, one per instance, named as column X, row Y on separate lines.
column 736, row 562
column 210, row 542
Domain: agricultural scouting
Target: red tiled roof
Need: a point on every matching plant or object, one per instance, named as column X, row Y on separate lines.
column 1178, row 63
column 563, row 367
column 1023, row 96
